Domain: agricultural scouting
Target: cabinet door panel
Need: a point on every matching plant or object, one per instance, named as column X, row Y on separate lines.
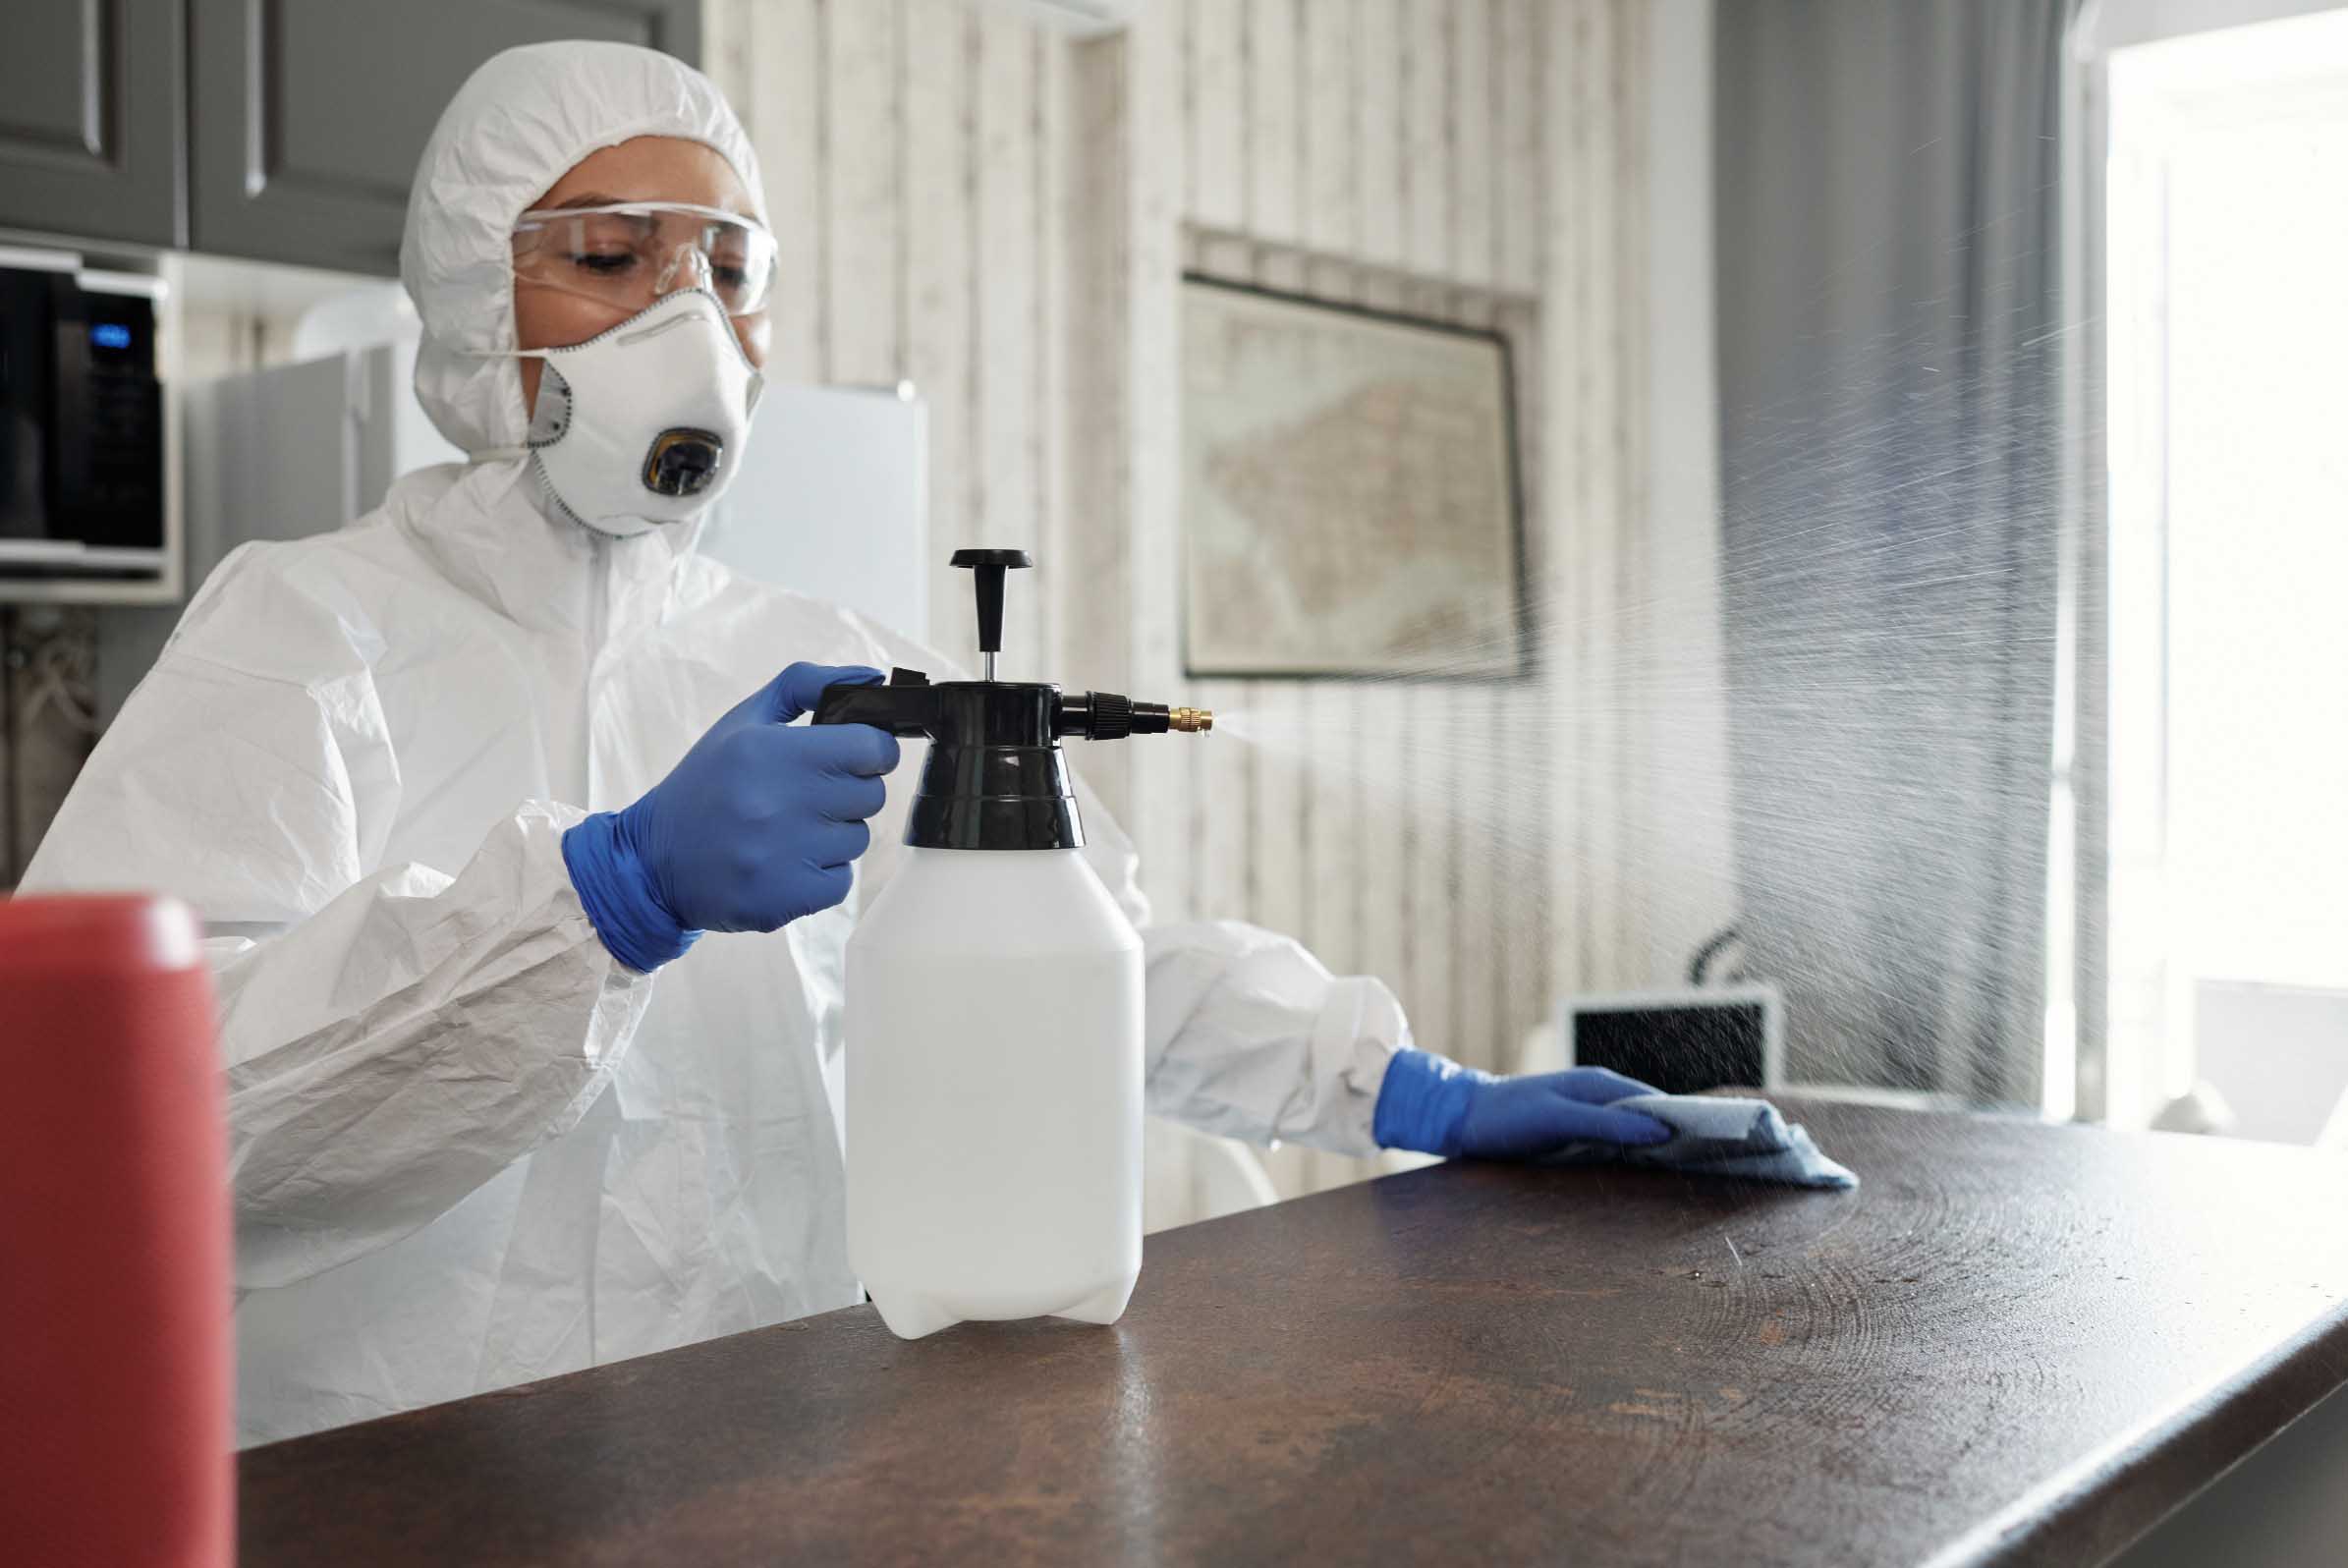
column 309, row 114
column 90, row 110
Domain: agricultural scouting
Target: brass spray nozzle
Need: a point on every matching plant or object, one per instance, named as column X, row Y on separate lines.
column 1109, row 716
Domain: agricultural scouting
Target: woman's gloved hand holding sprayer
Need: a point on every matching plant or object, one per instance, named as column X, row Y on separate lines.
column 754, row 827
column 761, row 821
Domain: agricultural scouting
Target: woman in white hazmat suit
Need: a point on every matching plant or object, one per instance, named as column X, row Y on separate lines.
column 471, row 1146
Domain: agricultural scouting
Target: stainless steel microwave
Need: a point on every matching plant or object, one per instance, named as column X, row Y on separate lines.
column 82, row 474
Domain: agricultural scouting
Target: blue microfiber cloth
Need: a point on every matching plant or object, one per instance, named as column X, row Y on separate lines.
column 1718, row 1137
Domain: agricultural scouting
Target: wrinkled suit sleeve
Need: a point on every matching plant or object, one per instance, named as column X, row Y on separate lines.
column 1248, row 1034
column 394, row 1035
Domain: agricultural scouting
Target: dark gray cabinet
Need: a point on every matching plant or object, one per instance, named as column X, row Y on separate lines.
column 92, row 103
column 307, row 116
column 277, row 130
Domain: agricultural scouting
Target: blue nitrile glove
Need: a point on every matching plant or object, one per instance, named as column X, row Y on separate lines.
column 753, row 828
column 1434, row 1105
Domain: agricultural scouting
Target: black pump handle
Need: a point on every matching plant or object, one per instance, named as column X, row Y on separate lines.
column 989, row 566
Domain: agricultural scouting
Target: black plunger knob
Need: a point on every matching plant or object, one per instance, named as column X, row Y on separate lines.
column 988, row 567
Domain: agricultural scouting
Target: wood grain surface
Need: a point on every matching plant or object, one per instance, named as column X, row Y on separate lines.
column 2016, row 1343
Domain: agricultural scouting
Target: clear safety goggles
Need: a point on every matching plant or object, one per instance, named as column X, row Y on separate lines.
column 632, row 253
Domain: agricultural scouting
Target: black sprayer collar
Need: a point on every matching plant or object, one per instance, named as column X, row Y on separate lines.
column 997, row 777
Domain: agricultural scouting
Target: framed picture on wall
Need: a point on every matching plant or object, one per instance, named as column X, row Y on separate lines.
column 1348, row 492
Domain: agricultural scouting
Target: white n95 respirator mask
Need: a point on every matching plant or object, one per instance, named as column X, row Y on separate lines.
column 644, row 424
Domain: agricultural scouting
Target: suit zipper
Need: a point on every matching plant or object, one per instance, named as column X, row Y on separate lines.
column 598, row 627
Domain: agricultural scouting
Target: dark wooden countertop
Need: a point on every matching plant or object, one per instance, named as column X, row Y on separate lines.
column 2016, row 1343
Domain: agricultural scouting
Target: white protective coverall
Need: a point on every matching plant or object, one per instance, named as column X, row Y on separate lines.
column 470, row 1147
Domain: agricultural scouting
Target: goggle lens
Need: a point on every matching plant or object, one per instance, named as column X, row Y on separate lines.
column 632, row 254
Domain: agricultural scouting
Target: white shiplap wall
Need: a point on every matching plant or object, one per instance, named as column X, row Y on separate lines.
column 978, row 204
column 916, row 157
column 1475, row 161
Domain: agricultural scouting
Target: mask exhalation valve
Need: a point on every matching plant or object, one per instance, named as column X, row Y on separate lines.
column 683, row 462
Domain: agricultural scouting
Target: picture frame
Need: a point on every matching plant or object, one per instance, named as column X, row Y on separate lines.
column 1352, row 506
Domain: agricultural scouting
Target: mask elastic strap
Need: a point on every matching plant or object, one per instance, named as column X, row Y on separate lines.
column 496, row 453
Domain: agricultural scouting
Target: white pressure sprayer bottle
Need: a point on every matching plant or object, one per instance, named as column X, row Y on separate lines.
column 994, row 1011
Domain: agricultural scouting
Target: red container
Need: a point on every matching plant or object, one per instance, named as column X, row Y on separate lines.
column 115, row 1386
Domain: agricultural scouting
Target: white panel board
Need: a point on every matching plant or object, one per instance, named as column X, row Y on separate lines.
column 832, row 501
